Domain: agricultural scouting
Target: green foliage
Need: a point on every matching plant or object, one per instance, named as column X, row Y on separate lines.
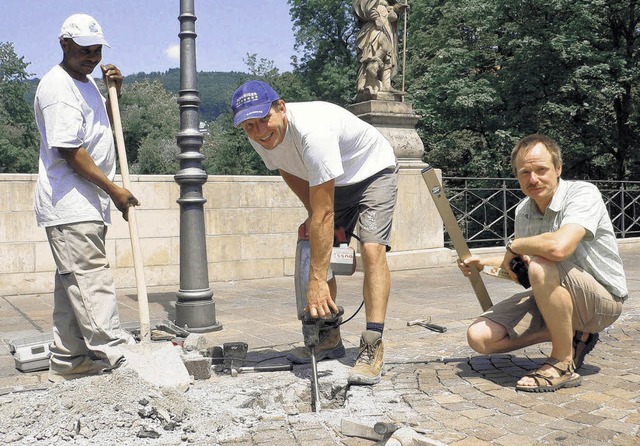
column 18, row 134
column 485, row 73
column 150, row 123
column 157, row 156
column 325, row 33
column 228, row 152
column 214, row 88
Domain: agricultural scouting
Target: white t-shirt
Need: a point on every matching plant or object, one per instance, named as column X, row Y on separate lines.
column 324, row 142
column 71, row 114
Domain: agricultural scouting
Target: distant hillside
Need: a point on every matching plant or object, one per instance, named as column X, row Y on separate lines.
column 215, row 88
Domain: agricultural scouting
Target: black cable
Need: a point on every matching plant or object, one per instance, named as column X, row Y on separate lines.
column 361, row 303
column 354, row 314
column 353, row 235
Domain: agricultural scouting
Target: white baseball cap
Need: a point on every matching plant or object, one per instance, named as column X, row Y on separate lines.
column 83, row 29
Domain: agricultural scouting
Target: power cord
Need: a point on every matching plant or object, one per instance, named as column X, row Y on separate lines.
column 361, row 303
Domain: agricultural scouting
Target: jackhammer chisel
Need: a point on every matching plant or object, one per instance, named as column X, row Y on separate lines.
column 343, row 262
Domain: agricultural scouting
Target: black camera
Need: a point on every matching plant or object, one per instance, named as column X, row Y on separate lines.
column 521, row 270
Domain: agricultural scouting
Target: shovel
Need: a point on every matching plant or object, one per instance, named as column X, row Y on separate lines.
column 143, row 301
column 158, row 363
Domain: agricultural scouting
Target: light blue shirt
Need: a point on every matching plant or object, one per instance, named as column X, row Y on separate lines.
column 580, row 203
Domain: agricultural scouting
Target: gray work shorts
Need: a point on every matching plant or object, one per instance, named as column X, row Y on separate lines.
column 370, row 204
column 594, row 308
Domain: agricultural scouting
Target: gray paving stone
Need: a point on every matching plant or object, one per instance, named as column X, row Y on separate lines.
column 433, row 381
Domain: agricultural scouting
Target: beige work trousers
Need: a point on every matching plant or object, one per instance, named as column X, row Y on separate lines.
column 86, row 322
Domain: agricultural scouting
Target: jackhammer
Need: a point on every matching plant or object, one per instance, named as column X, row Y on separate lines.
column 343, row 262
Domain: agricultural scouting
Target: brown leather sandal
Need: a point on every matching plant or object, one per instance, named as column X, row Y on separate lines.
column 545, row 382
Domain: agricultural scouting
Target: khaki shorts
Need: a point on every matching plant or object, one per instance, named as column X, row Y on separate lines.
column 370, row 204
column 594, row 308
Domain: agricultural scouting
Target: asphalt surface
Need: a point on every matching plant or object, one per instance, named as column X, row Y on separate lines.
column 446, row 390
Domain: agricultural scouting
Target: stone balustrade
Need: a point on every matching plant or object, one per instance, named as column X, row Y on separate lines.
column 251, row 231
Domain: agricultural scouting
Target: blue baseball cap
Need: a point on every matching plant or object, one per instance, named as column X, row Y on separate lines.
column 252, row 100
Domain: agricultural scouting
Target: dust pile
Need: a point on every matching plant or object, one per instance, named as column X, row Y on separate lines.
column 121, row 408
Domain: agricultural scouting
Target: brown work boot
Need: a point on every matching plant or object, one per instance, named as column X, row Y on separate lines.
column 330, row 347
column 368, row 368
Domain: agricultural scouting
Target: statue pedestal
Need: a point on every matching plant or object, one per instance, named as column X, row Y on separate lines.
column 417, row 238
column 396, row 121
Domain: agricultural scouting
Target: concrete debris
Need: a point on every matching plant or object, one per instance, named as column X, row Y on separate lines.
column 159, row 364
column 147, row 433
column 194, row 342
column 354, row 429
column 197, row 365
column 405, row 436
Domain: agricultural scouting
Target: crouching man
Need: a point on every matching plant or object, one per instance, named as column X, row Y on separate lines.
column 564, row 235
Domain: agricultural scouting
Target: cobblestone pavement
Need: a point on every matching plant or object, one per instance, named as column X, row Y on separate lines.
column 434, row 382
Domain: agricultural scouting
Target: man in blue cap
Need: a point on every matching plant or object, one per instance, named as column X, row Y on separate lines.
column 345, row 173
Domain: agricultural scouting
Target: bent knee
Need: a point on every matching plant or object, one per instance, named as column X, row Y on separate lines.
column 541, row 270
column 485, row 336
column 478, row 339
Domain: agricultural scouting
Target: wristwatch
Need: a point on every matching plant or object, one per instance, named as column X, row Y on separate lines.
column 509, row 243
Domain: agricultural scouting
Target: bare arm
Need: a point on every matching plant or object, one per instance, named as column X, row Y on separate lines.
column 319, row 201
column 80, row 161
column 299, row 187
column 479, row 263
column 321, row 230
column 555, row 246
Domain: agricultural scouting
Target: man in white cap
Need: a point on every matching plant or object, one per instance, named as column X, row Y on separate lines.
column 72, row 202
column 345, row 173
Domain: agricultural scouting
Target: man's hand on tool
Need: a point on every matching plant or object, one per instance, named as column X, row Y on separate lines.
column 478, row 262
column 123, row 199
column 471, row 262
column 111, row 73
column 320, row 303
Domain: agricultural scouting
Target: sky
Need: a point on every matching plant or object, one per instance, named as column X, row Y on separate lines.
column 143, row 34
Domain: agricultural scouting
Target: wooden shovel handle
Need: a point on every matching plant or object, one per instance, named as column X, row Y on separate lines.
column 143, row 302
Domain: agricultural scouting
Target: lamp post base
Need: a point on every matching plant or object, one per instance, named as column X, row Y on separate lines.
column 197, row 317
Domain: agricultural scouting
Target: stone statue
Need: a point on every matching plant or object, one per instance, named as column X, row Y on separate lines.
column 377, row 44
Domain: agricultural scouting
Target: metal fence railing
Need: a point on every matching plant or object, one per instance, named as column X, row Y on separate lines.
column 485, row 207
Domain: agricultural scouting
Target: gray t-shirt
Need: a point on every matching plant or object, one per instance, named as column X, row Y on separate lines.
column 71, row 114
column 580, row 203
column 324, row 141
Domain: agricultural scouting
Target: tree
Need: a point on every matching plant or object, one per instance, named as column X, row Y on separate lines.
column 19, row 150
column 150, row 123
column 214, row 88
column 325, row 33
column 227, row 151
column 485, row 73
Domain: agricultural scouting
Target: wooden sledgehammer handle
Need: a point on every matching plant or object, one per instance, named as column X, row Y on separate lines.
column 143, row 302
column 459, row 243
